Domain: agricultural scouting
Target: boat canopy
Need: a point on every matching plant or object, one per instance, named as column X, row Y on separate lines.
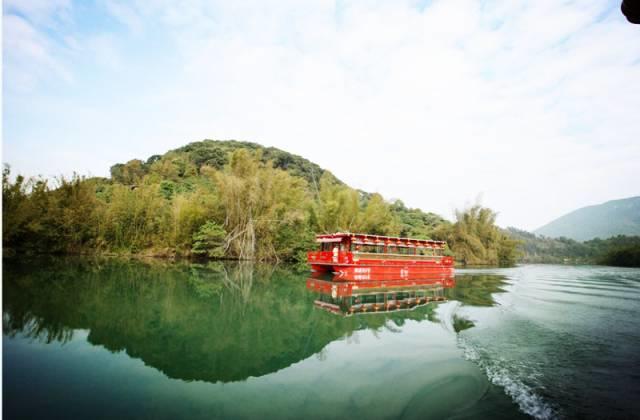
column 366, row 239
column 326, row 240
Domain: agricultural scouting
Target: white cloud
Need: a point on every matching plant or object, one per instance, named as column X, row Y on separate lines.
column 530, row 104
column 40, row 12
column 104, row 51
column 27, row 55
column 125, row 14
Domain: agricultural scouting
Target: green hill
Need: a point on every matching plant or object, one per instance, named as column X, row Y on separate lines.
column 222, row 199
column 616, row 217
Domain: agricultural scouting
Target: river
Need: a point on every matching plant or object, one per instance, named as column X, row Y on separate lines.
column 107, row 338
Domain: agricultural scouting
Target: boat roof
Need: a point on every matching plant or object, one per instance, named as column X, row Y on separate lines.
column 368, row 239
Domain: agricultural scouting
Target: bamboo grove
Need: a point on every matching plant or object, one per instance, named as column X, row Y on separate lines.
column 222, row 199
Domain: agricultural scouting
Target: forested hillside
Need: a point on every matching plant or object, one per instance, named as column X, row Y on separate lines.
column 616, row 217
column 617, row 250
column 222, row 199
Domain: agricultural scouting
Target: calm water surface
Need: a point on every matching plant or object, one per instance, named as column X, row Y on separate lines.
column 105, row 339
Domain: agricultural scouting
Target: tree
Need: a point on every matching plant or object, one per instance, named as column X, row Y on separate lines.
column 14, row 200
column 259, row 201
column 337, row 206
column 377, row 218
column 209, row 240
column 475, row 239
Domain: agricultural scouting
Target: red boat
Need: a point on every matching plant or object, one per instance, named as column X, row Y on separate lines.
column 357, row 256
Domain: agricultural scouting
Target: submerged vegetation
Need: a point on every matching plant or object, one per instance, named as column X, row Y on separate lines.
column 223, row 199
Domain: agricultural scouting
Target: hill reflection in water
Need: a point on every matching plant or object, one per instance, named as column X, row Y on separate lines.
column 213, row 322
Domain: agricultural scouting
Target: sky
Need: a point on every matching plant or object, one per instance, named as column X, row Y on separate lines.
column 530, row 108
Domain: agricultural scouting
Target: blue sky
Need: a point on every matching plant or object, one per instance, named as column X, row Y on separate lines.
column 529, row 106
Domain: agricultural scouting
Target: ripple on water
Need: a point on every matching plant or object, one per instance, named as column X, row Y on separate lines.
column 567, row 343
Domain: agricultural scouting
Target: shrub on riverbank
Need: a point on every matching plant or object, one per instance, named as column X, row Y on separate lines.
column 623, row 257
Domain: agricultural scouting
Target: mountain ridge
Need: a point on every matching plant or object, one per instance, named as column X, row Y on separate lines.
column 611, row 218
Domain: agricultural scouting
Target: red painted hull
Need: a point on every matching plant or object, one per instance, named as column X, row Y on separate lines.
column 348, row 268
column 380, row 271
column 322, row 268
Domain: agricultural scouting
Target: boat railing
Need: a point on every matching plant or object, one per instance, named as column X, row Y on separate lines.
column 379, row 255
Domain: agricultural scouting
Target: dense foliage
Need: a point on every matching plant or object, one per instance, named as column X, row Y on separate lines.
column 475, row 239
column 222, row 199
column 618, row 250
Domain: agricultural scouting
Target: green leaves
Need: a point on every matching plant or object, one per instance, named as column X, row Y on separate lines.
column 476, row 240
column 167, row 189
column 209, row 240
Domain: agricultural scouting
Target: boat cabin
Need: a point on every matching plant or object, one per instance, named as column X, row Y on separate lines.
column 383, row 245
column 358, row 253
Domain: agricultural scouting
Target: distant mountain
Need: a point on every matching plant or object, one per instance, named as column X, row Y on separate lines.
column 616, row 217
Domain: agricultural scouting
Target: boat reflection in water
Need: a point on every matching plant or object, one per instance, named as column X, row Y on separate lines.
column 348, row 296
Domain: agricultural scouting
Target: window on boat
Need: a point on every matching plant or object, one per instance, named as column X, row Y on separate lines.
column 368, row 248
column 392, row 249
column 358, row 247
column 423, row 251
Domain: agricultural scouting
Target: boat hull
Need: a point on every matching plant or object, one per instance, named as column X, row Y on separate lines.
column 383, row 269
column 359, row 266
column 357, row 272
column 322, row 268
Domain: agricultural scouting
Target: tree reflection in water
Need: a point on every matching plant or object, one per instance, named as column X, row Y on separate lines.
column 216, row 322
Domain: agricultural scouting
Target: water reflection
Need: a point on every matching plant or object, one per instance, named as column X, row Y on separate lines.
column 214, row 322
column 376, row 296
